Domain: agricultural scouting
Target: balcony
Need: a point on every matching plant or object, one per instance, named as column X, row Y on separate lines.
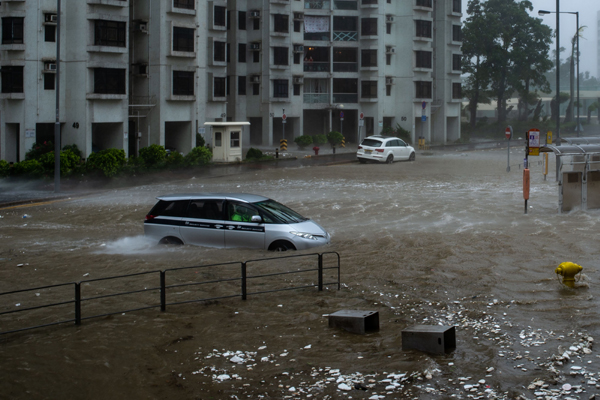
column 316, row 36
column 345, row 98
column 317, row 4
column 345, row 4
column 345, row 67
column 311, row 66
column 313, row 98
column 347, row 36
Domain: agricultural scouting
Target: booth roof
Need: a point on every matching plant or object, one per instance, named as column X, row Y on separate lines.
column 230, row 123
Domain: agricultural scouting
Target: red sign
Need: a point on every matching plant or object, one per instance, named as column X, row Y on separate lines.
column 283, row 117
column 508, row 132
column 424, row 104
column 362, row 115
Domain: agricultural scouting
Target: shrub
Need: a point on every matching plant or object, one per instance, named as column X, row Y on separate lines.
column 403, row 134
column 254, row 153
column 30, row 168
column 303, row 141
column 74, row 149
column 174, row 160
column 334, row 138
column 4, row 168
column 198, row 156
column 38, row 150
column 200, row 142
column 153, row 156
column 134, row 165
column 109, row 161
column 319, row 139
column 69, row 161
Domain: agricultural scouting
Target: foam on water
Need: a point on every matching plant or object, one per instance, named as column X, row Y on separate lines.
column 129, row 245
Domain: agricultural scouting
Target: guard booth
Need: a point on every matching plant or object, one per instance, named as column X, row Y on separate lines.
column 227, row 140
column 578, row 173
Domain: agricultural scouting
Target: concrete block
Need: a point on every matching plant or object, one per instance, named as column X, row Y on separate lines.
column 355, row 321
column 435, row 339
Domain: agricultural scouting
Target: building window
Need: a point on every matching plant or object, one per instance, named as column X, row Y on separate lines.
column 368, row 89
column 388, row 59
column 423, row 28
column 235, row 139
column 456, row 62
column 368, row 26
column 242, row 52
column 297, row 26
column 456, row 6
column 388, row 28
column 280, row 88
column 183, row 83
column 12, row 79
column 281, row 23
column 296, row 90
column 256, row 89
column 297, row 58
column 109, row 81
column 183, row 39
column 187, row 4
column 280, row 55
column 368, row 58
column 423, row 90
column 50, row 33
column 456, row 91
column 424, row 3
column 423, row 59
column 220, row 15
column 218, row 139
column 456, row 33
column 255, row 56
column 49, row 81
column 256, row 24
column 228, row 47
column 388, row 90
column 110, row 33
column 12, row 30
column 219, row 52
column 219, row 86
column 242, row 20
column 242, row 85
column 369, row 1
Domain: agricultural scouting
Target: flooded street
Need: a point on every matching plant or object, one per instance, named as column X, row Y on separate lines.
column 443, row 241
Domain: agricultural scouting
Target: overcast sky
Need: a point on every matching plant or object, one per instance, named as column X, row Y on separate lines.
column 588, row 16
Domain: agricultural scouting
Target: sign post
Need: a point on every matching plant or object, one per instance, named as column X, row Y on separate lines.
column 423, row 119
column 283, row 121
column 342, row 123
column 361, row 122
column 508, row 132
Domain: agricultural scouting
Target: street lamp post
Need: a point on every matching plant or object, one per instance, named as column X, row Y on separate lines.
column 57, row 123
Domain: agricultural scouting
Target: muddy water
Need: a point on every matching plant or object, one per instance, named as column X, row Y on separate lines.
column 442, row 241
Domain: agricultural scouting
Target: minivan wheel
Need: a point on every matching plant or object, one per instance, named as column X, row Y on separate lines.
column 170, row 240
column 281, row 246
column 412, row 156
column 390, row 159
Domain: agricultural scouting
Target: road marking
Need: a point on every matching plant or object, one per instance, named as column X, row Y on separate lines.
column 43, row 203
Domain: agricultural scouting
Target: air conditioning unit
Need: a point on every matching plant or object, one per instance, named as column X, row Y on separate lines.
column 298, row 16
column 389, row 81
column 254, row 46
column 143, row 27
column 50, row 66
column 389, row 18
column 53, row 18
column 255, row 14
column 298, row 48
column 255, row 79
column 298, row 80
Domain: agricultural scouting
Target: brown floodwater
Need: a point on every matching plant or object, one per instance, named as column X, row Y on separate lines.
column 440, row 241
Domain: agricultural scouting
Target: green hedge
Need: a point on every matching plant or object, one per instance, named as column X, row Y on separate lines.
column 109, row 162
column 303, row 141
column 198, row 156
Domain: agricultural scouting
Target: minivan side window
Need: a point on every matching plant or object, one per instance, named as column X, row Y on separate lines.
column 240, row 212
column 205, row 209
column 173, row 208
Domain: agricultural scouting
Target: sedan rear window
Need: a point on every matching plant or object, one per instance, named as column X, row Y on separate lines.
column 371, row 143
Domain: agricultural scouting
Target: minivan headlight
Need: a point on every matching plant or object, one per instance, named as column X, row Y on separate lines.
column 304, row 235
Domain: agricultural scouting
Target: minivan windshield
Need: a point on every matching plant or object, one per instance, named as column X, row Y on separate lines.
column 279, row 211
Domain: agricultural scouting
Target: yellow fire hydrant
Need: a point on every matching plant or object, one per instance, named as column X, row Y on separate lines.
column 568, row 270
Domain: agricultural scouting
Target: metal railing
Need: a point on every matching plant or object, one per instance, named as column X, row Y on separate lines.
column 151, row 289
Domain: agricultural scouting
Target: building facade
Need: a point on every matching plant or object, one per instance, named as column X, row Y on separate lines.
column 141, row 72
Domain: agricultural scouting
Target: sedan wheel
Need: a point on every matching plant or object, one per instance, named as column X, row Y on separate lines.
column 412, row 156
column 390, row 159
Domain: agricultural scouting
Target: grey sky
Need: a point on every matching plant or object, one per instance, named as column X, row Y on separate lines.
column 588, row 12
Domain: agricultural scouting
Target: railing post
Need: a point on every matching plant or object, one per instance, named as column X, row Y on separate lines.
column 244, row 282
column 320, row 272
column 77, row 303
column 163, row 294
column 339, row 269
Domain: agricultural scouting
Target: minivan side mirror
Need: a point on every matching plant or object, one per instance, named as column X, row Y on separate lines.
column 256, row 218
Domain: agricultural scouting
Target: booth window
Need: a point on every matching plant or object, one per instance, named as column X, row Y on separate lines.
column 235, row 139
column 217, row 139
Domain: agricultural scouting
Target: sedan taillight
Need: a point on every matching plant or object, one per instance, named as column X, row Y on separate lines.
column 149, row 217
column 359, row 147
column 379, row 150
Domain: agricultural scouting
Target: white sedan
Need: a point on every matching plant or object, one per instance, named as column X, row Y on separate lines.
column 384, row 149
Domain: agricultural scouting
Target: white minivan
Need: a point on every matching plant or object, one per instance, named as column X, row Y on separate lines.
column 231, row 220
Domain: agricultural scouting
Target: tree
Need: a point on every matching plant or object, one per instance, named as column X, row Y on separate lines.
column 569, row 113
column 507, row 52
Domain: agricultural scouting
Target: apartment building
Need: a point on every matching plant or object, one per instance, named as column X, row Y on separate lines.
column 141, row 72
column 598, row 44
